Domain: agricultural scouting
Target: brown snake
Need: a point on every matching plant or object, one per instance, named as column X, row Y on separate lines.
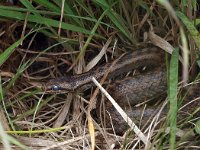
column 140, row 58
column 128, row 91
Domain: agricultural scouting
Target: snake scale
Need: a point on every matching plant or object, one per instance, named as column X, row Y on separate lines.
column 128, row 91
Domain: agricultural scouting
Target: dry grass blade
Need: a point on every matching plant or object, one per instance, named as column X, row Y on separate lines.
column 160, row 42
column 95, row 60
column 65, row 142
column 91, row 131
column 132, row 125
column 4, row 121
column 63, row 112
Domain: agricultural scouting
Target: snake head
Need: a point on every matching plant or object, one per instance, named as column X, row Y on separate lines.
column 63, row 84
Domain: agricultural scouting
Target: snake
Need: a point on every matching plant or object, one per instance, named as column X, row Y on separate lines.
column 128, row 91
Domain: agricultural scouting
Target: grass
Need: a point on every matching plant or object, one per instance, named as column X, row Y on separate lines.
column 40, row 41
column 172, row 96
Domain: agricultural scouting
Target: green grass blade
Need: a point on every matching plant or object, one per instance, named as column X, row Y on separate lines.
column 37, row 131
column 7, row 140
column 190, row 27
column 44, row 21
column 27, row 64
column 48, row 4
column 91, row 35
column 20, row 70
column 197, row 127
column 17, row 143
column 115, row 18
column 4, row 138
column 172, row 96
column 29, row 6
column 69, row 11
column 23, row 97
column 5, row 55
column 86, row 8
column 32, row 111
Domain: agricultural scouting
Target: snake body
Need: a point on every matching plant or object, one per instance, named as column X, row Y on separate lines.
column 131, row 91
column 127, row 92
column 130, row 61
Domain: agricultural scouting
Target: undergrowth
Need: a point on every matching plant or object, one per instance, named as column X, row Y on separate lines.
column 43, row 39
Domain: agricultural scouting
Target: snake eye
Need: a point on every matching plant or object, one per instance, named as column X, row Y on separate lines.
column 56, row 88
